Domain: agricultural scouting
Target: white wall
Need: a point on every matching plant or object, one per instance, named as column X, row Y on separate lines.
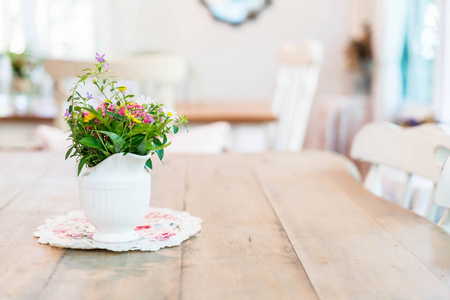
column 232, row 62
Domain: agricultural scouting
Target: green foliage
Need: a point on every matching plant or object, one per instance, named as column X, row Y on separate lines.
column 123, row 123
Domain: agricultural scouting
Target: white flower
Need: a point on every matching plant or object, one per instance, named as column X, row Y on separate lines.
column 125, row 86
column 145, row 100
column 170, row 113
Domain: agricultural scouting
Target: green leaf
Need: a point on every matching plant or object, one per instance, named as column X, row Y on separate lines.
column 98, row 115
column 117, row 116
column 68, row 152
column 84, row 70
column 175, row 129
column 82, row 163
column 92, row 142
column 138, row 128
column 159, row 147
column 117, row 140
column 148, row 163
column 142, row 146
column 160, row 154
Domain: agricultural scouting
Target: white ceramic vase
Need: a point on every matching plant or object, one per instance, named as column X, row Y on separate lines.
column 115, row 196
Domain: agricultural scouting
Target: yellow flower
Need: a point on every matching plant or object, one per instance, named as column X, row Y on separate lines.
column 88, row 117
column 136, row 120
column 107, row 101
column 122, row 88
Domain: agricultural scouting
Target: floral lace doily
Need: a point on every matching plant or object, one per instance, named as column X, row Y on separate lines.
column 160, row 228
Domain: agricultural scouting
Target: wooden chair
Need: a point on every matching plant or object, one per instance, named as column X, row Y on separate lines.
column 165, row 71
column 442, row 197
column 420, row 150
column 296, row 85
column 61, row 70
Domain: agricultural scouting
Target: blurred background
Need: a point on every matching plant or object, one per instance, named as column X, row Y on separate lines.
column 251, row 75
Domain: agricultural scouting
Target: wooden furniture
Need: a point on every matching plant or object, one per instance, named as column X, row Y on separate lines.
column 276, row 226
column 234, row 112
column 296, row 86
column 442, row 197
column 61, row 70
column 164, row 71
column 335, row 120
column 418, row 150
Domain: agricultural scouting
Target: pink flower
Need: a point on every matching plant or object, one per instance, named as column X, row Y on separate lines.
column 112, row 108
column 148, row 119
column 81, row 220
column 121, row 111
column 164, row 236
column 142, row 227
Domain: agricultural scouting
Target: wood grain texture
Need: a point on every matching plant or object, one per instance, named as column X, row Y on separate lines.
column 233, row 112
column 242, row 250
column 347, row 248
column 139, row 275
column 276, row 226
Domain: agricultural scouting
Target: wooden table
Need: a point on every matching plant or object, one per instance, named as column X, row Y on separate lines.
column 233, row 112
column 276, row 226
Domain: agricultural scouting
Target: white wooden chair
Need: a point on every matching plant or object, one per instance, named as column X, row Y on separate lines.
column 442, row 197
column 296, row 86
column 165, row 72
column 420, row 150
column 61, row 70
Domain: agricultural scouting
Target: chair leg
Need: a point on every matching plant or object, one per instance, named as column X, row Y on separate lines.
column 373, row 181
column 432, row 208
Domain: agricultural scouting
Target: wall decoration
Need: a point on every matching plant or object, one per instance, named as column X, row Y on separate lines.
column 235, row 12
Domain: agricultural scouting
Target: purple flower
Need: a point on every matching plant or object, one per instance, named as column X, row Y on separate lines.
column 89, row 96
column 100, row 58
column 106, row 66
column 67, row 114
column 148, row 119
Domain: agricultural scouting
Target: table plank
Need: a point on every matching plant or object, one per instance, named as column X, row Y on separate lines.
column 426, row 241
column 26, row 265
column 33, row 270
column 345, row 251
column 242, row 251
column 233, row 112
column 129, row 275
column 276, row 226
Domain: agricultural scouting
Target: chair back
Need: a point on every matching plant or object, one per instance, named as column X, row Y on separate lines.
column 442, row 197
column 420, row 150
column 164, row 72
column 296, row 86
column 60, row 70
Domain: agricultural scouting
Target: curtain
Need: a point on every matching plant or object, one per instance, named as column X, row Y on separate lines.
column 441, row 100
column 389, row 31
column 419, row 54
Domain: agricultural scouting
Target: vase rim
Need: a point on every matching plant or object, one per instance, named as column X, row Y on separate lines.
column 90, row 169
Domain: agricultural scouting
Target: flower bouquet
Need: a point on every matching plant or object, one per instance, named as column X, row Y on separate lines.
column 115, row 135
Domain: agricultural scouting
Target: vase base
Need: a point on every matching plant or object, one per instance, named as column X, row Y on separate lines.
column 115, row 237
